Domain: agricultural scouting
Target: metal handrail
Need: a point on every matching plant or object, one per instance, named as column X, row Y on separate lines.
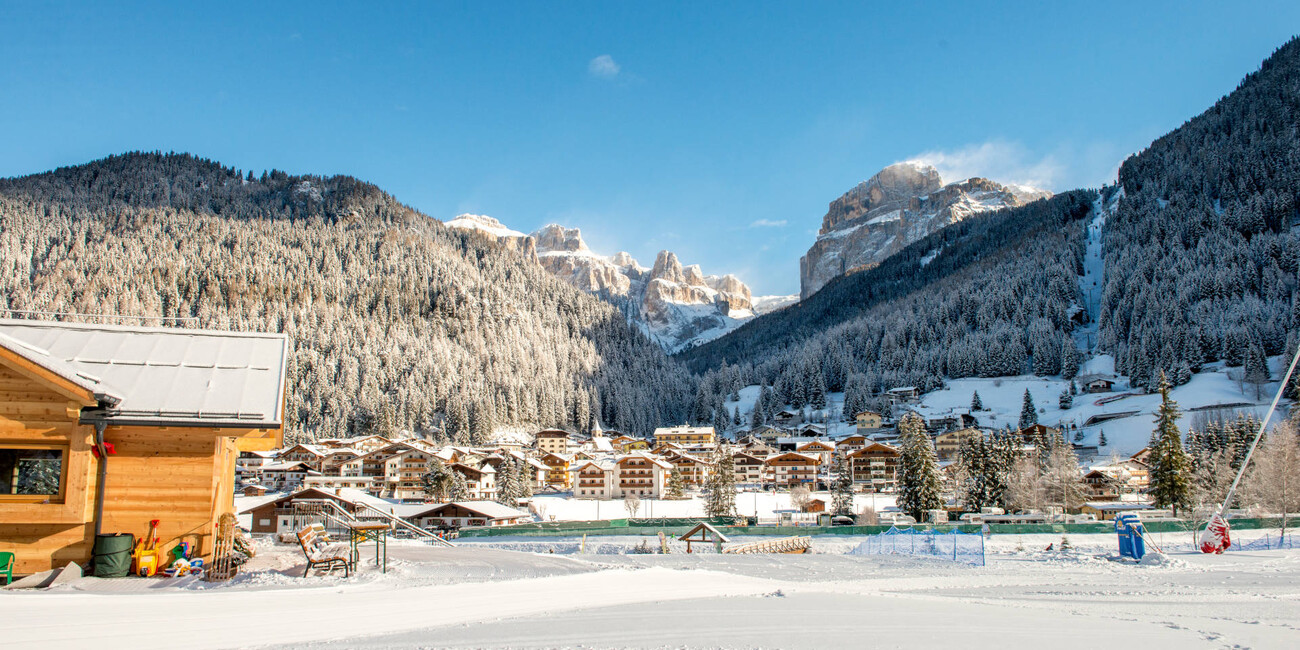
column 398, row 522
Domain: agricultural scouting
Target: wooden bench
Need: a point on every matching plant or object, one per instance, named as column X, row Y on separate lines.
column 321, row 552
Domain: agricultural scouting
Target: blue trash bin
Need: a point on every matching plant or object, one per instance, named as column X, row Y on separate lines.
column 1129, row 528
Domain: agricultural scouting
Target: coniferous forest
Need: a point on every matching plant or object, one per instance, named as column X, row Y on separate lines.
column 396, row 321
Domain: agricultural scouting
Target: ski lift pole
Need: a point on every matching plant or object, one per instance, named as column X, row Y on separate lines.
column 1259, row 434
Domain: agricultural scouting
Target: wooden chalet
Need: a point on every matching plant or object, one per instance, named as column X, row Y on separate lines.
column 104, row 427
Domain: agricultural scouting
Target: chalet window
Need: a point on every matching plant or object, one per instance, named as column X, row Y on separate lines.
column 31, row 471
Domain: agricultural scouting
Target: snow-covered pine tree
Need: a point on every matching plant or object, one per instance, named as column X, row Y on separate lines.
column 436, row 481
column 1256, row 371
column 817, row 399
column 720, row 498
column 1170, row 472
column 842, row 497
column 1065, row 401
column 457, row 424
column 459, row 488
column 1028, row 414
column 1101, row 438
column 735, row 418
column 676, row 487
column 507, row 484
column 1069, row 359
column 524, row 475
column 720, row 420
column 919, row 484
column 975, row 403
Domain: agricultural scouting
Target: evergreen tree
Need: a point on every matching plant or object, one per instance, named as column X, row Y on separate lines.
column 1170, row 472
column 1065, row 401
column 842, row 497
column 459, row 488
column 524, row 476
column 735, row 418
column 436, row 481
column 1101, row 438
column 720, row 420
column 507, row 484
column 818, row 398
column 457, row 424
column 919, row 486
column 975, row 403
column 1028, row 414
column 676, row 487
column 1256, row 371
column 1069, row 359
column 720, row 497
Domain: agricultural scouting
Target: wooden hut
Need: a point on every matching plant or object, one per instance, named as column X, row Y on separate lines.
column 106, row 427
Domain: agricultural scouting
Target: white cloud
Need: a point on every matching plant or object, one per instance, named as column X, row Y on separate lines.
column 998, row 160
column 768, row 223
column 604, row 67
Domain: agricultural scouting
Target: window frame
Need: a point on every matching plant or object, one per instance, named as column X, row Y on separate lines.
column 66, row 456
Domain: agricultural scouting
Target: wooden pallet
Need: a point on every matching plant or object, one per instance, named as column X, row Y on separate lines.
column 783, row 545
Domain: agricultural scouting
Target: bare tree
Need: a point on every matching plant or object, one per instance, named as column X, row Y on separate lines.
column 1273, row 480
column 1025, row 485
column 1062, row 483
column 868, row 517
column 631, row 503
column 800, row 497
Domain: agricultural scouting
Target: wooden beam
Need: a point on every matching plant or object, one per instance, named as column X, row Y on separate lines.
column 40, row 373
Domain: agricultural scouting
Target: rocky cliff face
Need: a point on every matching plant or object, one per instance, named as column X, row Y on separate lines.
column 899, row 205
column 677, row 306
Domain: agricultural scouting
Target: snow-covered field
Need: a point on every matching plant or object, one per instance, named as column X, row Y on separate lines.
column 477, row 595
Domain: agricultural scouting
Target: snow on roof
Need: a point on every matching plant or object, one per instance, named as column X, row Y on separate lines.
column 489, row 509
column 603, row 444
column 159, row 374
column 42, row 357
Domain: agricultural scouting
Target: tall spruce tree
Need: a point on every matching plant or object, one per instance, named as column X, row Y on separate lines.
column 919, row 486
column 1170, row 473
column 720, row 500
column 1028, row 414
column 676, row 487
column 842, row 497
column 975, row 403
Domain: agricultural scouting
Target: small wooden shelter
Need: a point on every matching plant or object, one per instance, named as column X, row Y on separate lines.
column 704, row 533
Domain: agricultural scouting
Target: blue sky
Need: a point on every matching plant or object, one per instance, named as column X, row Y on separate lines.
column 719, row 131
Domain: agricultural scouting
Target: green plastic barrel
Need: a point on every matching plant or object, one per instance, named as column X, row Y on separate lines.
column 112, row 555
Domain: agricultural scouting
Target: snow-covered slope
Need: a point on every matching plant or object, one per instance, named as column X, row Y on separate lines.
column 899, row 205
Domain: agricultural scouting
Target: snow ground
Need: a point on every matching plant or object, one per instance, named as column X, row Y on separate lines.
column 1213, row 386
column 477, row 596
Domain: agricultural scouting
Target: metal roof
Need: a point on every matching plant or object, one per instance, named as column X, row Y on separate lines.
column 163, row 375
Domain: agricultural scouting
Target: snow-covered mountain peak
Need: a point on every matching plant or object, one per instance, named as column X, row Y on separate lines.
column 678, row 306
column 899, row 205
column 482, row 223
